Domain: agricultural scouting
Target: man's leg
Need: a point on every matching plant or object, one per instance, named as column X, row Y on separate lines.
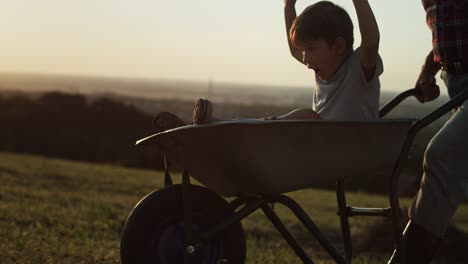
column 445, row 180
column 444, row 184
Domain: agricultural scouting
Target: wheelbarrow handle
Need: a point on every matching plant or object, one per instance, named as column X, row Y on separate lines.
column 455, row 102
column 396, row 101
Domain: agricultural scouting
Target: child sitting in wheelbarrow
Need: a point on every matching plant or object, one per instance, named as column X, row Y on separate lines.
column 347, row 80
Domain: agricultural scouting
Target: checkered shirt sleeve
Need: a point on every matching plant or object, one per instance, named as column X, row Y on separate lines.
column 448, row 20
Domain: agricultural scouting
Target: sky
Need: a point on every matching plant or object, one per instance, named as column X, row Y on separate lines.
column 240, row 41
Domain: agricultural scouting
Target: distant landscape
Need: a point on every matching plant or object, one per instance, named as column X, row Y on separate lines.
column 156, row 89
column 170, row 89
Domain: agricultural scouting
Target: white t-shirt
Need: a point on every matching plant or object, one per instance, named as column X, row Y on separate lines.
column 348, row 96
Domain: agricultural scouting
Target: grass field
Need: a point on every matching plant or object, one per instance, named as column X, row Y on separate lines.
column 55, row 211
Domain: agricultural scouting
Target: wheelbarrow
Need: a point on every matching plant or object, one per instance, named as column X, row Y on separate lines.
column 255, row 162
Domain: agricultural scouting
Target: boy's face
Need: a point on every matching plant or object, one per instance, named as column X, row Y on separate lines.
column 320, row 56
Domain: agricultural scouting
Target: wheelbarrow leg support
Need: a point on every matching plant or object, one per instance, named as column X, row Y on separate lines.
column 307, row 222
column 343, row 213
column 313, row 229
column 167, row 175
column 237, row 203
column 250, row 207
column 187, row 204
column 285, row 233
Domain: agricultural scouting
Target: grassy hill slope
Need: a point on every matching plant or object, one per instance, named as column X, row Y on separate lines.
column 56, row 211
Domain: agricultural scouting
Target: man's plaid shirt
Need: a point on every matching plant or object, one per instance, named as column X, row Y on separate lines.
column 448, row 20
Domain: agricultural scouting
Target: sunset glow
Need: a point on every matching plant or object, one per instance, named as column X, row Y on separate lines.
column 235, row 41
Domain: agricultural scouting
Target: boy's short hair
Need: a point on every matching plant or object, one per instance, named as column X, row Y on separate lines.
column 322, row 20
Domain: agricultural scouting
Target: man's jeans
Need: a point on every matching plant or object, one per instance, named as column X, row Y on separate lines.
column 445, row 180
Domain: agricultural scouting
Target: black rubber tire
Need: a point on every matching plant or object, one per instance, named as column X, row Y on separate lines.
column 153, row 232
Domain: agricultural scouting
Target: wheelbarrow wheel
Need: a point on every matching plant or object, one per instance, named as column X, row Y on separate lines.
column 154, row 230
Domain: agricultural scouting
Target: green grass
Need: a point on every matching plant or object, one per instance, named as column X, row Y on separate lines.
column 55, row 211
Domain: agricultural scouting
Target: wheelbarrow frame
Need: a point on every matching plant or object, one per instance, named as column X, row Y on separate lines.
column 244, row 206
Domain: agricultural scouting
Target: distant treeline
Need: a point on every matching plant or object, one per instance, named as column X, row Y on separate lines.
column 94, row 129
column 69, row 126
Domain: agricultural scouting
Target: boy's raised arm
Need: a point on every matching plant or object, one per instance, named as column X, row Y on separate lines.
column 370, row 37
column 289, row 16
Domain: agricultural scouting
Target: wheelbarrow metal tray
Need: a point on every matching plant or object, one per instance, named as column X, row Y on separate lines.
column 254, row 157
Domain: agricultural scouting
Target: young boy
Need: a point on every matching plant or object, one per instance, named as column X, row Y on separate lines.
column 347, row 84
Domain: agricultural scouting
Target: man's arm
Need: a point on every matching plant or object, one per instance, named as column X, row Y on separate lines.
column 426, row 83
column 370, row 37
column 289, row 16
